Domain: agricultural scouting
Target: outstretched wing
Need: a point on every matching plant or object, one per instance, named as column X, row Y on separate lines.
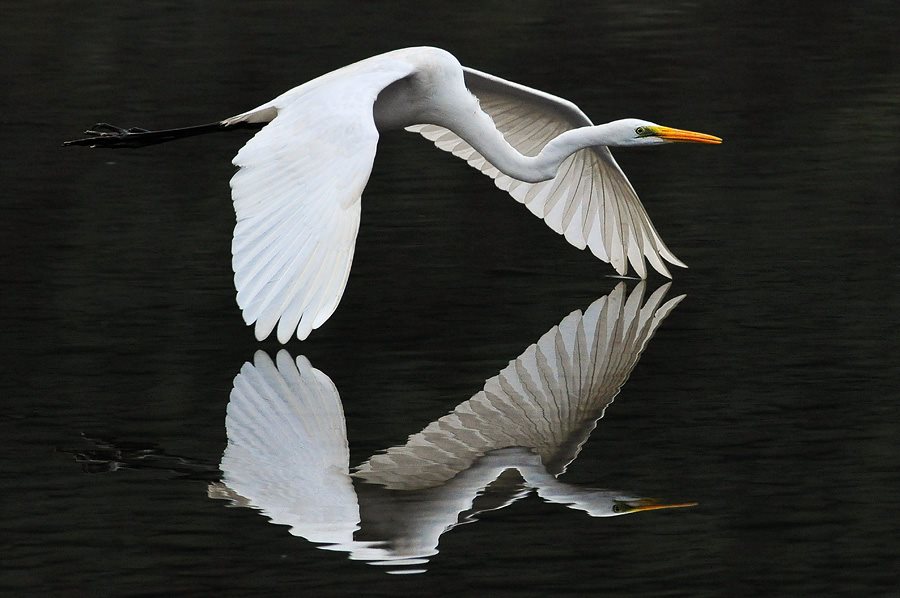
column 548, row 399
column 590, row 201
column 297, row 197
column 287, row 452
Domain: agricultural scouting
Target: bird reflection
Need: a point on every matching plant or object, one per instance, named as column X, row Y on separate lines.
column 287, row 452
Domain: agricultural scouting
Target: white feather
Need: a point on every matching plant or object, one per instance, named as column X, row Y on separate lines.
column 548, row 399
column 287, row 448
column 297, row 199
column 590, row 201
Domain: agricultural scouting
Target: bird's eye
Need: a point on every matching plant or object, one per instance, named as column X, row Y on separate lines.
column 640, row 131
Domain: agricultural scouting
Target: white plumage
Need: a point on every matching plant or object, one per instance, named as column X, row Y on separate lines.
column 288, row 456
column 589, row 201
column 297, row 193
column 297, row 200
column 287, row 438
column 547, row 400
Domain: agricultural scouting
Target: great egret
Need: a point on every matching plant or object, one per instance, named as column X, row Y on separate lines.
column 288, row 456
column 297, row 193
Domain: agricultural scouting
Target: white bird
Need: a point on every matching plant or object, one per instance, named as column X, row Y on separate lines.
column 288, row 456
column 297, row 193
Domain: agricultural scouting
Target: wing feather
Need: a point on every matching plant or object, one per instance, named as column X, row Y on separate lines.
column 287, row 452
column 590, row 201
column 548, row 399
column 297, row 199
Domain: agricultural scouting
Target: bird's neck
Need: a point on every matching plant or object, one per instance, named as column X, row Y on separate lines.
column 483, row 136
column 567, row 143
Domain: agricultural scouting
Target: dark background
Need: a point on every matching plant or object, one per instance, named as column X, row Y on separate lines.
column 770, row 396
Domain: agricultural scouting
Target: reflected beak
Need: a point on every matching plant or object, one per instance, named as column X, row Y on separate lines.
column 651, row 504
column 670, row 134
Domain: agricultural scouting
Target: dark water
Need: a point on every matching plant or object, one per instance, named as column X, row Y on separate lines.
column 769, row 396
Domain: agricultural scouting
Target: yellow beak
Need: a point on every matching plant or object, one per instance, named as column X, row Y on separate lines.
column 651, row 504
column 670, row 134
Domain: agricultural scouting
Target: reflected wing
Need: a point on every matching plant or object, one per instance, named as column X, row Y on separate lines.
column 297, row 195
column 287, row 451
column 548, row 399
column 590, row 200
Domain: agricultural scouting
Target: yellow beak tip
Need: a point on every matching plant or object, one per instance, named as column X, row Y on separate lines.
column 670, row 134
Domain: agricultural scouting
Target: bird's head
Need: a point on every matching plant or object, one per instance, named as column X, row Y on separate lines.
column 634, row 132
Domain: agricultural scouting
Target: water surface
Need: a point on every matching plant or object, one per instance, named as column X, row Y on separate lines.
column 768, row 396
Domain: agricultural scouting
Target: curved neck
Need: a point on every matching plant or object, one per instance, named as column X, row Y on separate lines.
column 565, row 144
column 483, row 136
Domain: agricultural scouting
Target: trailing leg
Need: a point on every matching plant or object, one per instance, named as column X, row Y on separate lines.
column 110, row 136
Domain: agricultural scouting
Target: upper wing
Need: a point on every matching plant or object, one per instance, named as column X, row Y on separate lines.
column 548, row 399
column 590, row 200
column 297, row 194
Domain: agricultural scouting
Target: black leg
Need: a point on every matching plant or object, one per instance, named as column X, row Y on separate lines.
column 111, row 136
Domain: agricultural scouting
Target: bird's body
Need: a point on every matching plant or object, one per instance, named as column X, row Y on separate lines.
column 297, row 193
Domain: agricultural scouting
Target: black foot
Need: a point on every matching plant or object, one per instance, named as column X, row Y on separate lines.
column 107, row 135
column 108, row 129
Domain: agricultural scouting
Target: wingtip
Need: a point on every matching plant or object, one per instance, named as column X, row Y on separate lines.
column 259, row 332
column 674, row 260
